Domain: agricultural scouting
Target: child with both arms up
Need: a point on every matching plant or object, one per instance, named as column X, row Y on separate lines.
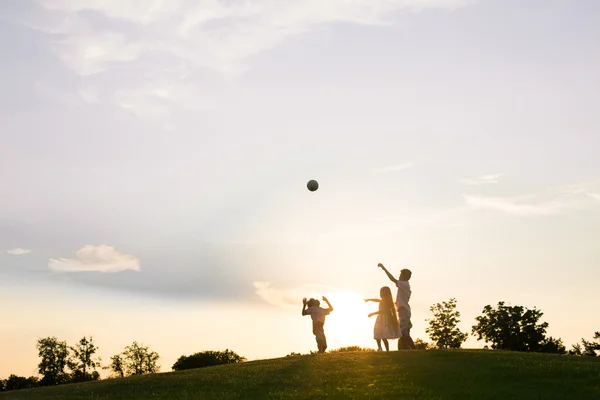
column 388, row 325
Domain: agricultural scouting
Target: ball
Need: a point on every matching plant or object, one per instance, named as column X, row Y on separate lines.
column 312, row 185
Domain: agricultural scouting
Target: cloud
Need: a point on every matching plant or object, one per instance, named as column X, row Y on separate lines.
column 393, row 168
column 18, row 251
column 515, row 206
column 96, row 259
column 287, row 297
column 481, row 180
column 148, row 42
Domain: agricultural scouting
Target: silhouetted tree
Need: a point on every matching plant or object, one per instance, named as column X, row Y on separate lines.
column 117, row 365
column 554, row 346
column 83, row 363
column 54, row 355
column 513, row 328
column 15, row 382
column 575, row 350
column 587, row 348
column 207, row 359
column 135, row 360
column 443, row 329
column 2, row 385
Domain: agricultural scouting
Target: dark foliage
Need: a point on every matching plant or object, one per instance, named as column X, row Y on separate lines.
column 207, row 359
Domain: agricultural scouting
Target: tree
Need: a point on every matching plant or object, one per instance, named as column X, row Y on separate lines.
column 135, row 360
column 207, row 359
column 15, row 382
column 117, row 365
column 554, row 346
column 83, row 364
column 443, row 329
column 54, row 355
column 587, row 348
column 514, row 328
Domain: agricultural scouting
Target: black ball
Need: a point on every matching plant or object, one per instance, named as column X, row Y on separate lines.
column 312, row 185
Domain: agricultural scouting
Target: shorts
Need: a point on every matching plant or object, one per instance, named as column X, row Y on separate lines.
column 318, row 330
column 404, row 321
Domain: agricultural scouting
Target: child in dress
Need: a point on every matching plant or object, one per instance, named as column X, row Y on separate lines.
column 311, row 307
column 403, row 306
column 386, row 324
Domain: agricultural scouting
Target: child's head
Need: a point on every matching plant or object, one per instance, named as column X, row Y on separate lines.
column 405, row 275
column 313, row 302
column 385, row 292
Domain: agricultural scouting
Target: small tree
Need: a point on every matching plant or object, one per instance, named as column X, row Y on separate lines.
column 135, row 360
column 117, row 365
column 551, row 345
column 587, row 348
column 443, row 329
column 84, row 363
column 54, row 355
column 207, row 359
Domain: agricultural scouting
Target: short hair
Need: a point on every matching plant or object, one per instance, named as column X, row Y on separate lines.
column 405, row 274
column 313, row 302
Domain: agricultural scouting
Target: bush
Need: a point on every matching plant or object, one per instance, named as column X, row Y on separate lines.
column 207, row 359
column 351, row 348
column 420, row 344
column 15, row 382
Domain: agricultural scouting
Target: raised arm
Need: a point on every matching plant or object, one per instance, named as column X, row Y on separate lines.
column 374, row 313
column 328, row 303
column 304, row 306
column 380, row 265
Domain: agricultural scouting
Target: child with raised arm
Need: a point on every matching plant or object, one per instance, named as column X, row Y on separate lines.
column 402, row 299
column 312, row 307
column 386, row 324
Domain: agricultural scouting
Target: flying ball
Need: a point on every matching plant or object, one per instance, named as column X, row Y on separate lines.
column 312, row 185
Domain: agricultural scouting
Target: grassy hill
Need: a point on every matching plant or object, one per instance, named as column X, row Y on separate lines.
column 462, row 374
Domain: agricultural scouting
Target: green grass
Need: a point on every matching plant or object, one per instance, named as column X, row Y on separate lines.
column 461, row 374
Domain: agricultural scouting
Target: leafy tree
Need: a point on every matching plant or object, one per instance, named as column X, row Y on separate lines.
column 83, row 364
column 443, row 329
column 207, row 359
column 515, row 328
column 117, row 365
column 554, row 346
column 135, row 360
column 15, row 382
column 587, row 348
column 2, row 385
column 54, row 355
column 576, row 350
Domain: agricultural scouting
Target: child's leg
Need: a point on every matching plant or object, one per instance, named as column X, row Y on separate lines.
column 378, row 344
column 386, row 344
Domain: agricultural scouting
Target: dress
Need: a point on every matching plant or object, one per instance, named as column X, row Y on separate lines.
column 385, row 327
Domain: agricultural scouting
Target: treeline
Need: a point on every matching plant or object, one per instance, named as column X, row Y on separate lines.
column 61, row 364
column 503, row 327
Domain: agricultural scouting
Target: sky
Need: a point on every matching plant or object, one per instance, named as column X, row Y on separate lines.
column 154, row 158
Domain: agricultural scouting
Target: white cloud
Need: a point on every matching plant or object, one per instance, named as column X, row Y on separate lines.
column 516, row 207
column 18, row 251
column 481, row 180
column 393, row 168
column 287, row 297
column 146, row 40
column 96, row 258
